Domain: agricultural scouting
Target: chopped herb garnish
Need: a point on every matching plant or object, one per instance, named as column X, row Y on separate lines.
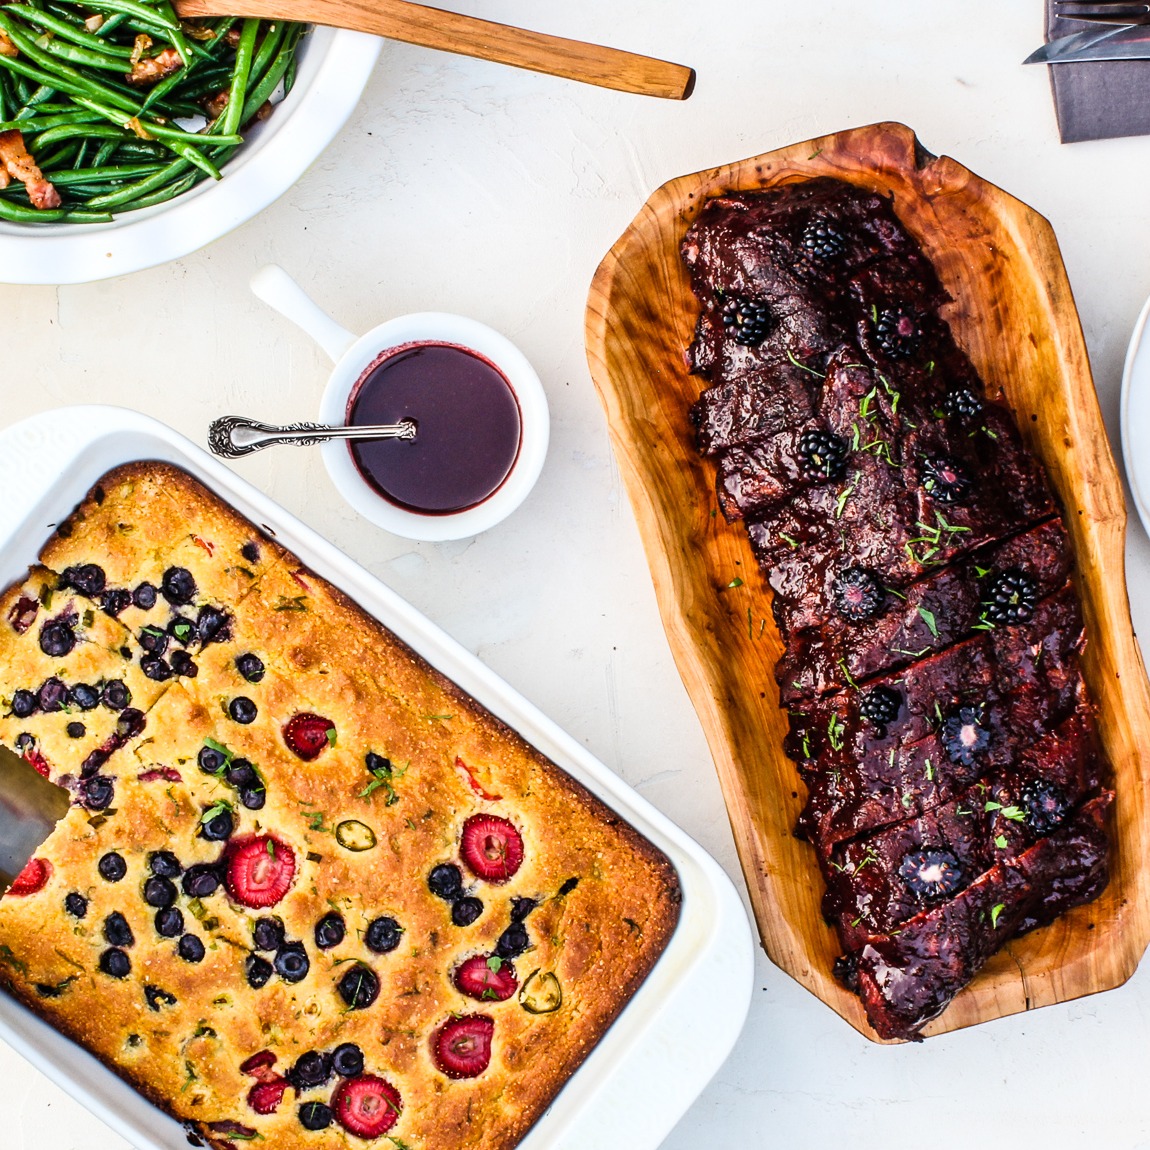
column 1000, row 842
column 736, row 582
column 929, row 620
column 803, row 366
column 995, row 911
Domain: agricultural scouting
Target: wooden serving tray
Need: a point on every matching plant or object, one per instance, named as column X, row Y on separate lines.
column 1015, row 317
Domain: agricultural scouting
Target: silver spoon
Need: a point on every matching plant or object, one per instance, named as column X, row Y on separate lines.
column 232, row 436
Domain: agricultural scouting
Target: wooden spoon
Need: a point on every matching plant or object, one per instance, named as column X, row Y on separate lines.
column 470, row 36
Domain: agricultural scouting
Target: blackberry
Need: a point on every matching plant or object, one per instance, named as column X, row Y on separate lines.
column 932, row 873
column 822, row 455
column 962, row 403
column 1045, row 805
column 846, row 971
column 822, row 241
column 964, row 736
column 881, row 706
column 1011, row 597
column 945, row 480
column 858, row 594
column 750, row 319
column 898, row 333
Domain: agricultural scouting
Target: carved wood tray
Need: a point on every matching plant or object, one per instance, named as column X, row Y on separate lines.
column 1015, row 316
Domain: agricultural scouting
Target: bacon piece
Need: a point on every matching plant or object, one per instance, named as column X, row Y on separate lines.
column 215, row 105
column 17, row 163
column 155, row 68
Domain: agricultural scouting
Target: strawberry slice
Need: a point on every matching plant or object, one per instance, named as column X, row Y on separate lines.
column 307, row 735
column 366, row 1105
column 486, row 978
column 32, row 878
column 265, row 1097
column 32, row 755
column 461, row 1047
column 491, row 847
column 260, row 1065
column 469, row 774
column 260, row 870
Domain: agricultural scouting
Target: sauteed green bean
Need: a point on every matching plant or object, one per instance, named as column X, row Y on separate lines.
column 114, row 105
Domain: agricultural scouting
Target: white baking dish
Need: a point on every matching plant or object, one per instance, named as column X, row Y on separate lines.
column 676, row 1031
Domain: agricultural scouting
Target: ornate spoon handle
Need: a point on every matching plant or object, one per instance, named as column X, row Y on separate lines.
column 232, row 436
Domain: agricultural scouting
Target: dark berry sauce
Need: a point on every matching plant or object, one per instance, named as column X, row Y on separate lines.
column 468, row 420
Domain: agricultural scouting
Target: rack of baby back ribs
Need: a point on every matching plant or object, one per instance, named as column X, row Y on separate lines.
column 921, row 580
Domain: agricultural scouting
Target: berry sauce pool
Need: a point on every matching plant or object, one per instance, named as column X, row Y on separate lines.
column 468, row 421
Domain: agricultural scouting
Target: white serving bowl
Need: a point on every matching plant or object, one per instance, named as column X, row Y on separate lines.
column 334, row 67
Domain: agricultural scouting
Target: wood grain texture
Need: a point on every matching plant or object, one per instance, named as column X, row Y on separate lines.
column 471, row 36
column 1014, row 314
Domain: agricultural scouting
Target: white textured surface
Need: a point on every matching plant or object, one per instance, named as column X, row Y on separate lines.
column 466, row 187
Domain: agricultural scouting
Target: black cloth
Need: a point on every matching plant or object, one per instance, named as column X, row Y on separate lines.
column 1097, row 100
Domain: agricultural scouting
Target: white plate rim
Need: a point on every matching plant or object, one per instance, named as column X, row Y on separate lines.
column 1135, row 378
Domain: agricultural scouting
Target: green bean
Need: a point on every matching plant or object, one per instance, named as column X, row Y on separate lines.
column 42, row 123
column 78, row 34
column 244, row 51
column 111, row 146
column 18, row 214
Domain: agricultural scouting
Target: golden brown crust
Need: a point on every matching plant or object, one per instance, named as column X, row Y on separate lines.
column 607, row 901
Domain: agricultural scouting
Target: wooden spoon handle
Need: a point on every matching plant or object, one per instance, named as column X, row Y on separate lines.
column 470, row 36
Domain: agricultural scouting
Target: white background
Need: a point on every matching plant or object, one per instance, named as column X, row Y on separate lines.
column 468, row 187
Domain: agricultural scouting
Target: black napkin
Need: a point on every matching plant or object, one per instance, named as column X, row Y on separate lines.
column 1099, row 99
